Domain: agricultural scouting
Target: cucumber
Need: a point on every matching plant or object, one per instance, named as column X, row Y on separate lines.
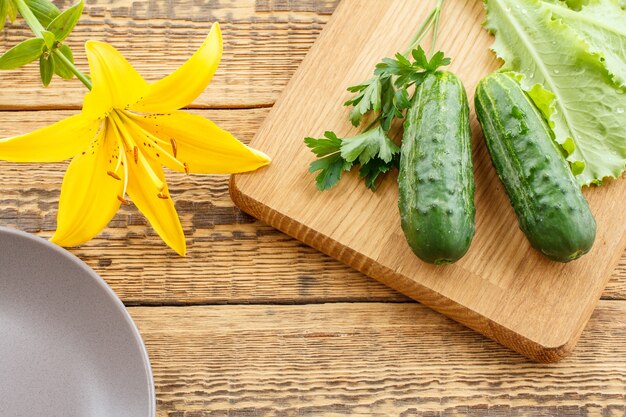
column 549, row 204
column 436, row 180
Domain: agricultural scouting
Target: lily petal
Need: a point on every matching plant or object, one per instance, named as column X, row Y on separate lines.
column 89, row 195
column 184, row 85
column 159, row 211
column 115, row 82
column 202, row 145
column 53, row 143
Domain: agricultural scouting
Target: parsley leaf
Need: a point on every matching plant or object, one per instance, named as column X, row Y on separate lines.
column 437, row 60
column 325, row 146
column 407, row 72
column 399, row 67
column 331, row 167
column 374, row 168
column 385, row 93
column 392, row 104
column 373, row 150
column 368, row 145
column 331, row 164
column 367, row 99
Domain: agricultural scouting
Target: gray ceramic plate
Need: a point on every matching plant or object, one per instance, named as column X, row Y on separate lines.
column 68, row 348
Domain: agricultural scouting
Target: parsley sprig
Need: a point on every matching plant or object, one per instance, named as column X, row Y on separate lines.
column 386, row 97
column 409, row 73
column 372, row 150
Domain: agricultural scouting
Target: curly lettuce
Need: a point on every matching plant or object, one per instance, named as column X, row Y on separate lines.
column 602, row 25
column 568, row 81
column 578, row 4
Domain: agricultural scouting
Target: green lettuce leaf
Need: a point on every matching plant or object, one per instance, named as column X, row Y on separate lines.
column 576, row 4
column 602, row 25
column 568, row 82
column 579, row 4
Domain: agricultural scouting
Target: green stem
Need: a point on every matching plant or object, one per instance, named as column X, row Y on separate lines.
column 436, row 27
column 421, row 32
column 431, row 20
column 37, row 28
column 82, row 77
column 29, row 17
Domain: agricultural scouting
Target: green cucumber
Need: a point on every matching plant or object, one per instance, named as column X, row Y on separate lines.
column 549, row 204
column 436, row 179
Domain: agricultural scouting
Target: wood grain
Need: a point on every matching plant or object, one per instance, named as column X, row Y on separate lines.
column 264, row 42
column 274, row 268
column 370, row 360
column 502, row 288
column 310, row 360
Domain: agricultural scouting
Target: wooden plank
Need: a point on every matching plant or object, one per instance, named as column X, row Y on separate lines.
column 371, row 360
column 264, row 42
column 502, row 288
column 276, row 268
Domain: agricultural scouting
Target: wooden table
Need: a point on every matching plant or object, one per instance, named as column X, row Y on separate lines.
column 252, row 322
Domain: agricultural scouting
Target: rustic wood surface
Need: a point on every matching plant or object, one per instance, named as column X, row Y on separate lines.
column 503, row 287
column 302, row 334
column 370, row 359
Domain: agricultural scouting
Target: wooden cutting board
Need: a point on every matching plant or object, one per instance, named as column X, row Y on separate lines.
column 502, row 287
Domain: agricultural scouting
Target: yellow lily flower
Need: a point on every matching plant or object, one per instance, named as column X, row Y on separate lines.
column 126, row 131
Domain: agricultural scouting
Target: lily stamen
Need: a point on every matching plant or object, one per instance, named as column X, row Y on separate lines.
column 128, row 138
column 121, row 157
column 114, row 175
column 120, row 151
column 163, row 196
column 136, row 154
column 174, row 147
column 154, row 143
column 123, row 200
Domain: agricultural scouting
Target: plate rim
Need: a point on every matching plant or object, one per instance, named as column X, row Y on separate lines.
column 108, row 291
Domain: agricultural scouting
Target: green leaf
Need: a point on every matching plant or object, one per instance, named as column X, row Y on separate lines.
column 419, row 55
column 390, row 109
column 325, row 146
column 60, row 68
column 577, row 167
column 602, row 25
column 407, row 72
column 359, row 87
column 64, row 23
column 576, row 4
column 331, row 168
column 46, row 70
column 367, row 99
column 438, row 60
column 367, row 145
column 356, row 116
column 3, row 13
column 330, row 165
column 49, row 39
column 44, row 10
column 583, row 104
column 375, row 152
column 22, row 54
column 403, row 101
column 11, row 10
column 373, row 169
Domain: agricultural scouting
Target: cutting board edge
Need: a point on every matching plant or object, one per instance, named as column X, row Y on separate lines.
column 430, row 298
